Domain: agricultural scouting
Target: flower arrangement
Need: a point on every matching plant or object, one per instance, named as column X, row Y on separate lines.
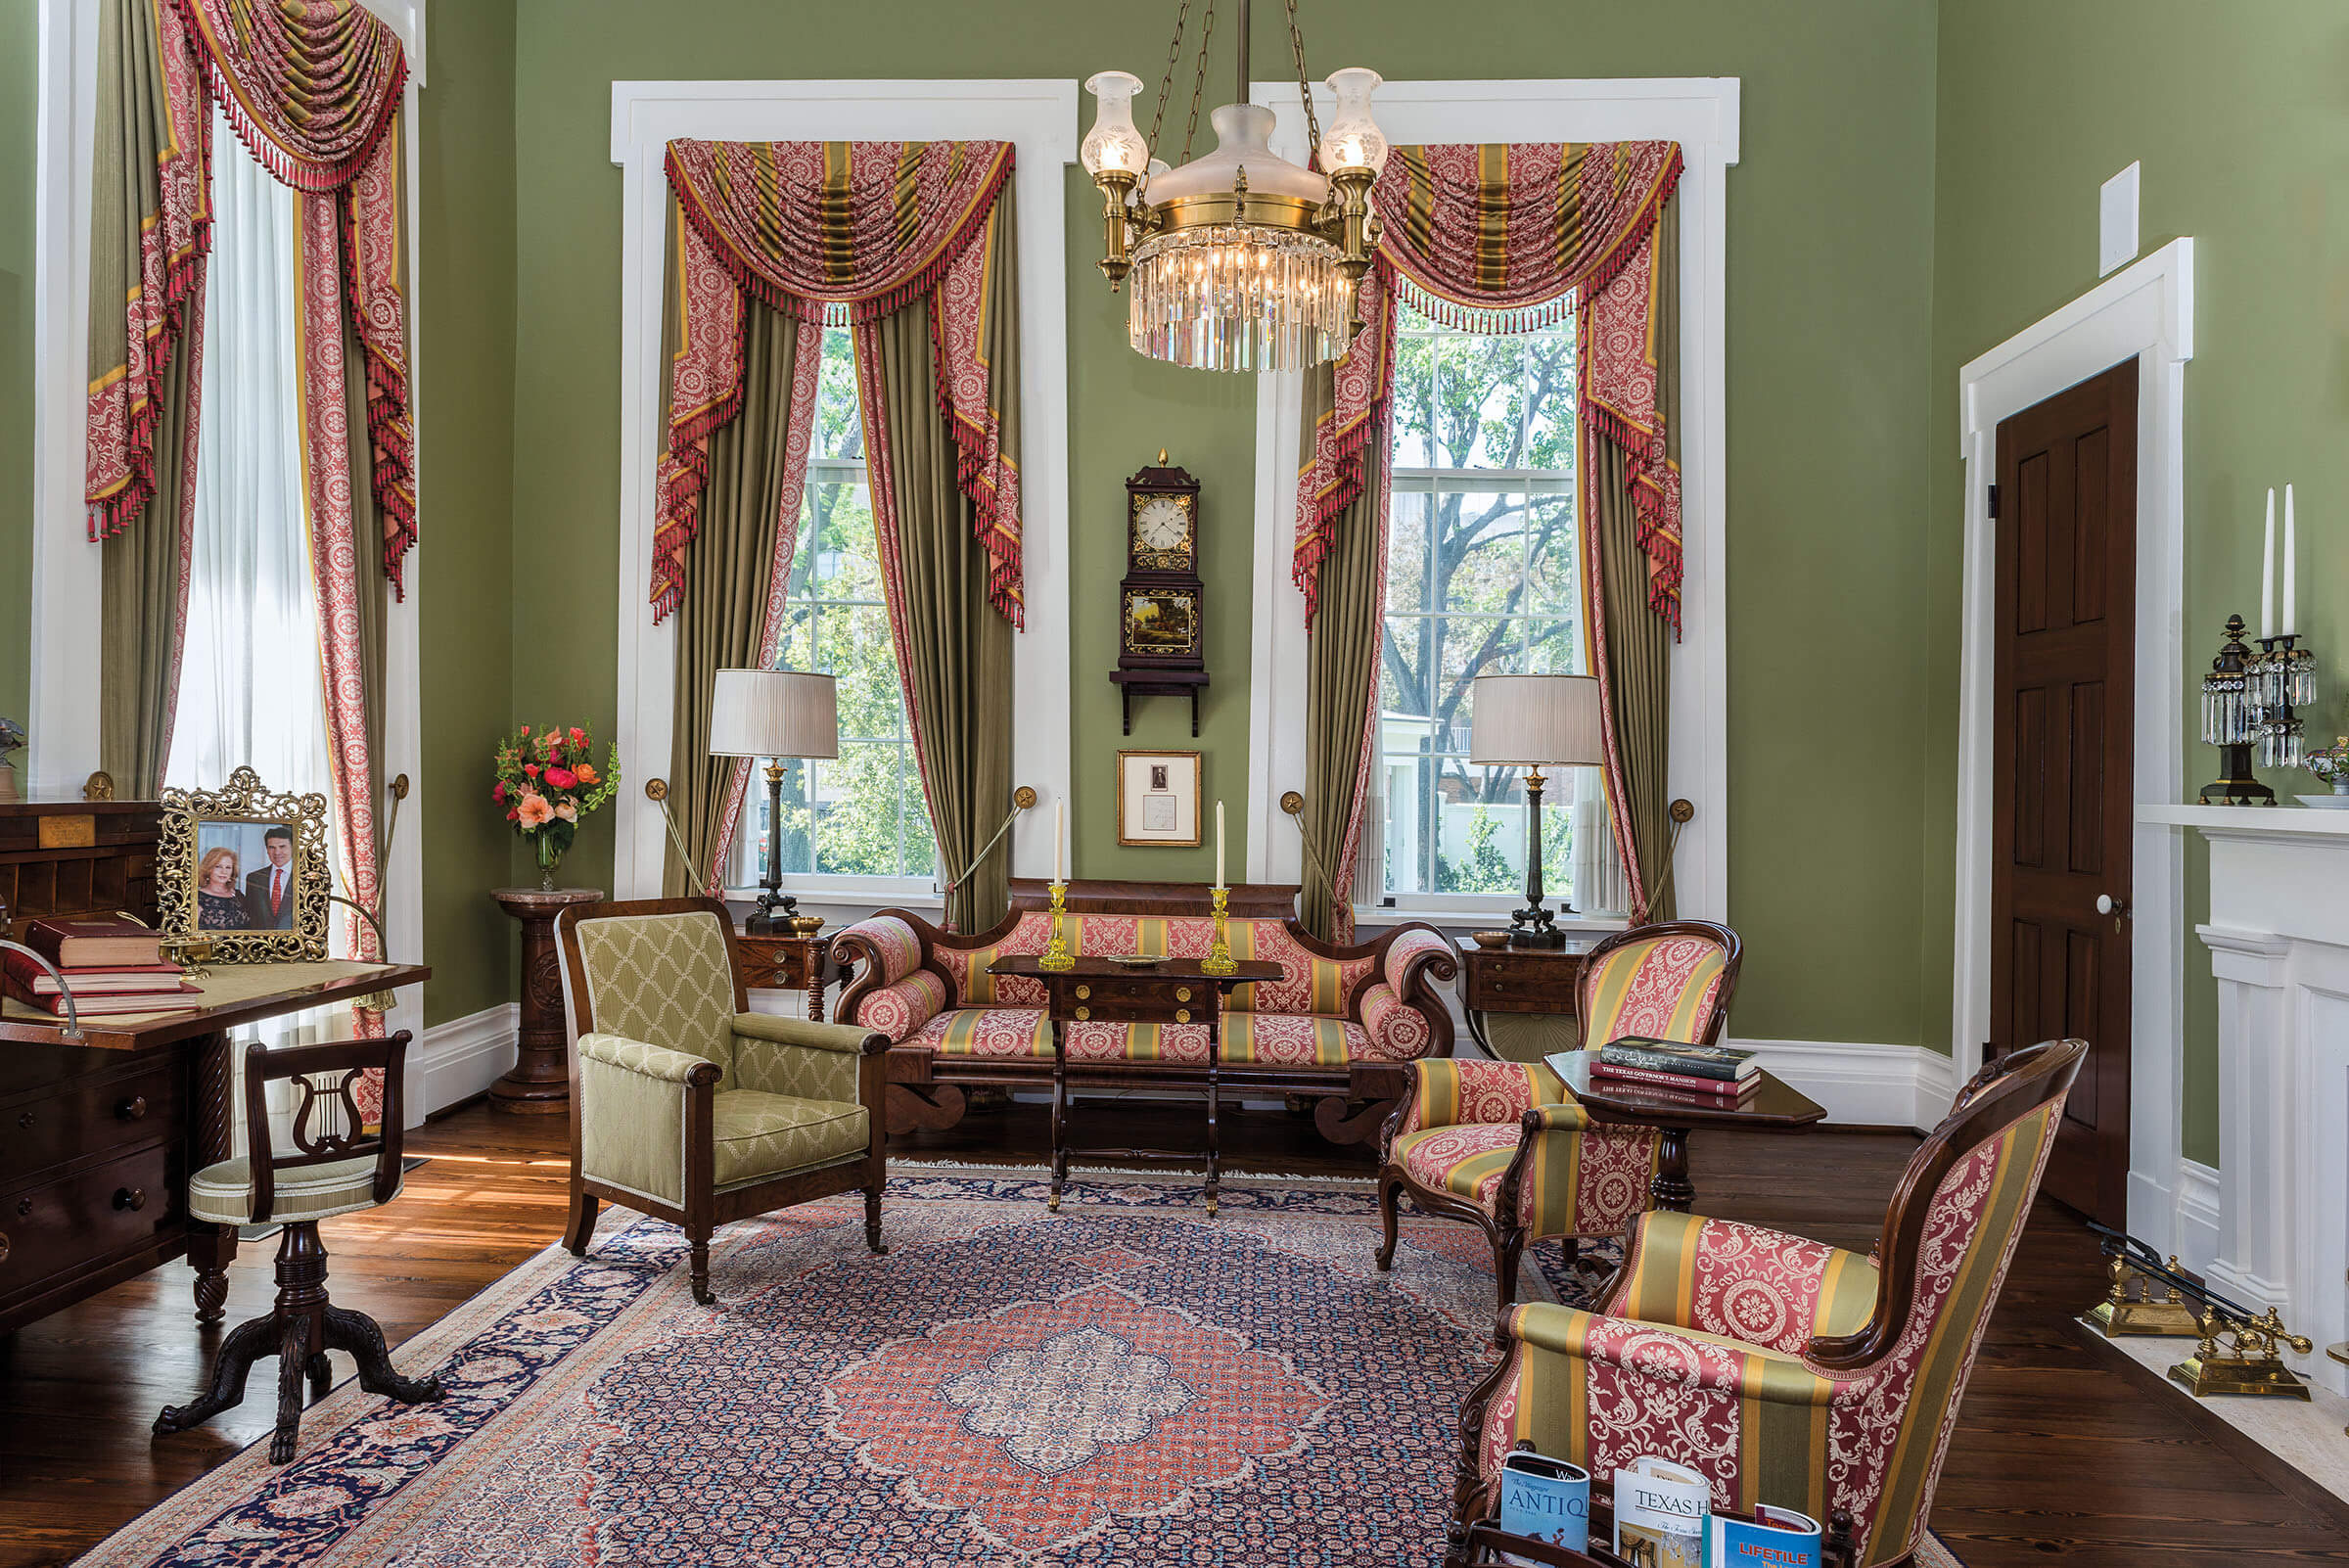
column 547, row 781
column 2332, row 765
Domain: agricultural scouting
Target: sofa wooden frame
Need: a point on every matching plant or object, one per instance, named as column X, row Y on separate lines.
column 1353, row 1102
column 1506, row 1235
column 705, row 1208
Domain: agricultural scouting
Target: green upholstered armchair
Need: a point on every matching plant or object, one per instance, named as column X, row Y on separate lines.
column 688, row 1106
column 1785, row 1371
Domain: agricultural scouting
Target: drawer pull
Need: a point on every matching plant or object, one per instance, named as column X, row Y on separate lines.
column 3, row 1246
column 133, row 1109
column 25, row 1121
column 1083, row 992
column 1084, row 1013
column 1182, row 994
column 1182, row 1015
column 131, row 1198
column 24, row 1207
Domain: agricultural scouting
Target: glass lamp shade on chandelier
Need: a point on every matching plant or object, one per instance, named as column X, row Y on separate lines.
column 1240, row 259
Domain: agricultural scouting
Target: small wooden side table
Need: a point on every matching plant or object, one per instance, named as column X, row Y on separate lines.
column 1520, row 980
column 790, row 962
column 538, row 1084
column 1772, row 1106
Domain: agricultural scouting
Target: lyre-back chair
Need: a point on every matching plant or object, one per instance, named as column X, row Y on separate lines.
column 334, row 1167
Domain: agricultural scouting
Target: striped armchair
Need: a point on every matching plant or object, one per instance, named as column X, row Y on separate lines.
column 1785, row 1371
column 1504, row 1146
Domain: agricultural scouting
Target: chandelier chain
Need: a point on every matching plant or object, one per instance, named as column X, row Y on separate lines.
column 1166, row 84
column 1305, row 92
column 1207, row 36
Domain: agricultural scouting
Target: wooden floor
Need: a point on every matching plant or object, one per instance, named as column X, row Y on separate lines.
column 2064, row 1448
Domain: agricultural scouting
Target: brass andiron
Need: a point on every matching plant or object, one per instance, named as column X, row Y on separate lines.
column 2249, row 1364
column 1056, row 952
column 2132, row 1307
column 1219, row 954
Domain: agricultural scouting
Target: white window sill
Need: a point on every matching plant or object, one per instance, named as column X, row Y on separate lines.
column 845, row 897
column 1493, row 919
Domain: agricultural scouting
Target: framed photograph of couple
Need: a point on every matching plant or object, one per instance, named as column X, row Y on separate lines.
column 245, row 868
column 1158, row 799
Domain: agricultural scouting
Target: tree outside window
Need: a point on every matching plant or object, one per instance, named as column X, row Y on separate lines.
column 1483, row 577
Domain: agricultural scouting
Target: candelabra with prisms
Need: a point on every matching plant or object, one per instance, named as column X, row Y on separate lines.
column 1219, row 959
column 2232, row 719
column 1056, row 952
column 2283, row 681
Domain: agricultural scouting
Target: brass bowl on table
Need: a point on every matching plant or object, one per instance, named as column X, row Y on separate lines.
column 1490, row 939
column 807, row 925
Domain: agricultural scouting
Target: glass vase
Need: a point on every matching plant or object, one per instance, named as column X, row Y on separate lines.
column 550, row 855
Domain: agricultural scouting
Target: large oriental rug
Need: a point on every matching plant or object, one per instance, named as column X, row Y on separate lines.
column 1128, row 1382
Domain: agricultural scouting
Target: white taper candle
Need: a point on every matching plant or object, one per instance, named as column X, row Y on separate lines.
column 1057, row 831
column 2267, row 574
column 1219, row 844
column 2292, row 577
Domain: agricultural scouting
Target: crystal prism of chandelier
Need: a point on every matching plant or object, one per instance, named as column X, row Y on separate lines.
column 1240, row 259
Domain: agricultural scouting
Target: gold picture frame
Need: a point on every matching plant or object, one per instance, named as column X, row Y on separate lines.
column 263, row 912
column 1157, row 799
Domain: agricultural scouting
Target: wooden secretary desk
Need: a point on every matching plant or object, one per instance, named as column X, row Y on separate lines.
column 98, row 1139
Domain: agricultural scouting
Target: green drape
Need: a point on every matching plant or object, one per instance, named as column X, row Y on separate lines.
column 953, row 646
column 1341, row 671
column 1638, row 642
column 144, row 599
column 751, row 500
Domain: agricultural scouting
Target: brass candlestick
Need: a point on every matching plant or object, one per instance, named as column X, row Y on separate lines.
column 2231, row 715
column 1056, row 952
column 1219, row 954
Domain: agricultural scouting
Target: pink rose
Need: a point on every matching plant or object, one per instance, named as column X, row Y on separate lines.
column 498, row 792
column 531, row 769
column 579, row 736
column 560, row 778
column 535, row 810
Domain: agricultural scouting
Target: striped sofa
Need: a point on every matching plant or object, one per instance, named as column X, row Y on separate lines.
column 1340, row 1026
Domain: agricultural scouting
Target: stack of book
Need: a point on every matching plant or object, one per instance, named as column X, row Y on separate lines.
column 112, row 963
column 1715, row 1072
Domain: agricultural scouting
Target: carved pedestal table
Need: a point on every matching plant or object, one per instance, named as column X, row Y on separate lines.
column 539, row 1081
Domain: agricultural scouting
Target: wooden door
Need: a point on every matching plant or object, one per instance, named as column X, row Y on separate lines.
column 2064, row 684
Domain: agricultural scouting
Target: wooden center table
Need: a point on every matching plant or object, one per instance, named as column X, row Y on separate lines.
column 1171, row 991
column 1772, row 1107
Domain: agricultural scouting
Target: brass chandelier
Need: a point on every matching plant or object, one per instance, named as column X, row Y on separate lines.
column 1240, row 259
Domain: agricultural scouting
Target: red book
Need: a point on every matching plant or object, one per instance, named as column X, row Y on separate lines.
column 94, row 941
column 88, row 981
column 1713, row 1089
column 179, row 999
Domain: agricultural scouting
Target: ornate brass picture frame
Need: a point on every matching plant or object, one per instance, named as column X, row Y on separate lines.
column 218, row 874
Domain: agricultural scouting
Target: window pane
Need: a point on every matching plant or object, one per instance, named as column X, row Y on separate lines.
column 1406, row 547
column 1414, row 399
column 839, row 429
column 854, row 646
column 1464, row 650
column 1553, row 582
column 1402, row 675
column 1407, row 778
column 1549, row 403
column 1476, row 401
column 1482, row 847
column 1480, row 552
column 838, row 556
column 921, row 842
column 855, row 808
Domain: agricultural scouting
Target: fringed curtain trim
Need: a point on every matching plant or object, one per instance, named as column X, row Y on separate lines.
column 1505, row 238
column 314, row 89
column 807, row 226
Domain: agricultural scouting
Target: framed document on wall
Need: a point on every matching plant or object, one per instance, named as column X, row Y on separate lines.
column 1158, row 799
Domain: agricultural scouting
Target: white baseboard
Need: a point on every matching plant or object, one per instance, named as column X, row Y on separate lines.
column 2197, row 1235
column 1861, row 1083
column 460, row 1058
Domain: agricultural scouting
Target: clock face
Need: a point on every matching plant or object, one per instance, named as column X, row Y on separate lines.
column 1164, row 533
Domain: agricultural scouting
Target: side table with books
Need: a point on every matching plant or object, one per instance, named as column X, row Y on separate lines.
column 1638, row 1090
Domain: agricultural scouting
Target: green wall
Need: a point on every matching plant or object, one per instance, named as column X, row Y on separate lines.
column 2237, row 113
column 1829, row 312
column 19, row 104
column 465, row 571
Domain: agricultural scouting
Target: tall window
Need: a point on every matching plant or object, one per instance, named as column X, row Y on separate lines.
column 862, row 814
column 1483, row 577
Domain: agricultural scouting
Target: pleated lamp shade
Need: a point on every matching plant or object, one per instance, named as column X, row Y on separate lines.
column 1537, row 720
column 773, row 712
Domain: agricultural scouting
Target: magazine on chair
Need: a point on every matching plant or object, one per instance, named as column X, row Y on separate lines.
column 1660, row 1514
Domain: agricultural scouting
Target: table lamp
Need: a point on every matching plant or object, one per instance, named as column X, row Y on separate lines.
column 773, row 714
column 1534, row 722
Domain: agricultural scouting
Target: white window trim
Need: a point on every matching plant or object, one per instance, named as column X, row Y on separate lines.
column 1039, row 118
column 67, row 570
column 1702, row 115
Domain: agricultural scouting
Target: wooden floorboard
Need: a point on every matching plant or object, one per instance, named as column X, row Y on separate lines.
column 2063, row 1447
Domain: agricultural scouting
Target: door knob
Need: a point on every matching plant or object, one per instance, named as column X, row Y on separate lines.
column 2118, row 908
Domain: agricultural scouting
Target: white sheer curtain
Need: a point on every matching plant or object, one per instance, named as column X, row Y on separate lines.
column 250, row 688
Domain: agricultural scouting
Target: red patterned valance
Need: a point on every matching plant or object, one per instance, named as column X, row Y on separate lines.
column 313, row 88
column 804, row 226
column 1506, row 238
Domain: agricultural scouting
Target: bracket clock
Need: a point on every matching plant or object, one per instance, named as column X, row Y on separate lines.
column 1162, row 603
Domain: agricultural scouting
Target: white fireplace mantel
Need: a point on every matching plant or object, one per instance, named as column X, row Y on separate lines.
column 2279, row 940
